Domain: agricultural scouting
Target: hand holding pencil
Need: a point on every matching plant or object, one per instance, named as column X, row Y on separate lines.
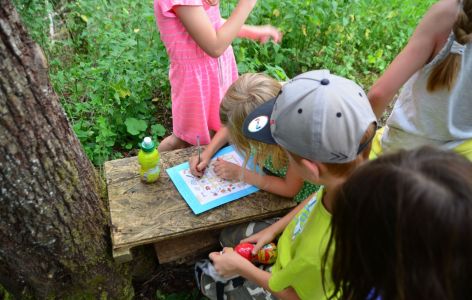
column 199, row 162
column 199, row 149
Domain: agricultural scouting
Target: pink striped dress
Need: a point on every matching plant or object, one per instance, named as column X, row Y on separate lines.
column 198, row 81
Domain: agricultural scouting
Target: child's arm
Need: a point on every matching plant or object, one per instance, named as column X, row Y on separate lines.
column 269, row 234
column 213, row 42
column 287, row 186
column 260, row 33
column 434, row 26
column 219, row 140
column 230, row 263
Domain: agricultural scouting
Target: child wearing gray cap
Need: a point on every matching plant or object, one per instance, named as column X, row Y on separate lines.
column 325, row 124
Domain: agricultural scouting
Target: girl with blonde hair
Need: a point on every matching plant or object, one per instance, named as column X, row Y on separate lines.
column 242, row 97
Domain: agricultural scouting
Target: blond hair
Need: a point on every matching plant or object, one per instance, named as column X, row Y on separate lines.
column 445, row 73
column 242, row 97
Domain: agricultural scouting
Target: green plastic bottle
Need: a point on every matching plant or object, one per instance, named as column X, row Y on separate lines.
column 148, row 159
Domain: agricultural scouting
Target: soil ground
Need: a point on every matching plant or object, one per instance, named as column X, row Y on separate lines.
column 166, row 280
column 153, row 281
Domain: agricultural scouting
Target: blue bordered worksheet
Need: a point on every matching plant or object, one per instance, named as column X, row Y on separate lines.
column 210, row 191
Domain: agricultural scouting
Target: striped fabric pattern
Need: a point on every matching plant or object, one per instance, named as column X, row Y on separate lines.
column 198, row 81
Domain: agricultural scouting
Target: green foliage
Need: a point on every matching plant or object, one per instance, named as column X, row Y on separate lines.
column 110, row 68
column 135, row 126
column 107, row 67
column 4, row 294
column 356, row 39
column 157, row 130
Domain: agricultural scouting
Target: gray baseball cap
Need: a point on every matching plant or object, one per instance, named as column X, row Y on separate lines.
column 317, row 115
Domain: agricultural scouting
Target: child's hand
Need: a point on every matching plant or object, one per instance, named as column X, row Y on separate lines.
column 265, row 32
column 260, row 239
column 227, row 170
column 198, row 169
column 227, row 262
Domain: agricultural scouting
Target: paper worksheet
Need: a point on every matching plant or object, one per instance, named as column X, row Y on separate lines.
column 210, row 191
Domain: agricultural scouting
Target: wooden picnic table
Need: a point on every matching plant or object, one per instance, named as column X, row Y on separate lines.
column 157, row 214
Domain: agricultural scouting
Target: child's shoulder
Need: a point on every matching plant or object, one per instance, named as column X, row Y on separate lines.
column 168, row 5
column 181, row 2
column 166, row 8
column 438, row 21
column 445, row 11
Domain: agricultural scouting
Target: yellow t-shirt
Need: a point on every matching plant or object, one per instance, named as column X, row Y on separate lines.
column 300, row 252
column 464, row 148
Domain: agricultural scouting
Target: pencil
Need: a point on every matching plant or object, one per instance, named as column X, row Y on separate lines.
column 199, row 149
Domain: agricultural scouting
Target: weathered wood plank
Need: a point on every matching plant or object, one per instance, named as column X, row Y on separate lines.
column 148, row 213
column 188, row 245
column 122, row 255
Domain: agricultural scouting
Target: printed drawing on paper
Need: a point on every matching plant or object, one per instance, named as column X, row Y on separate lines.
column 211, row 187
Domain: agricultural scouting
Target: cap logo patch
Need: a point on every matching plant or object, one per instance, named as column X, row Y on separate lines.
column 258, row 123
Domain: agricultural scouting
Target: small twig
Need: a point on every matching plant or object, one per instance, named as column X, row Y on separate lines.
column 51, row 21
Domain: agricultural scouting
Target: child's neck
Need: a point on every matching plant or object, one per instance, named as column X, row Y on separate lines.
column 329, row 187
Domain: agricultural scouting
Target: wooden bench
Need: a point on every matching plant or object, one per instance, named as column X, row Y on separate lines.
column 157, row 214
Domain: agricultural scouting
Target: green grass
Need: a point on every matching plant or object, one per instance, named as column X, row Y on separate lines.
column 109, row 67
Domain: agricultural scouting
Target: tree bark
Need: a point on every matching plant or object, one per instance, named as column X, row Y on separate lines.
column 54, row 231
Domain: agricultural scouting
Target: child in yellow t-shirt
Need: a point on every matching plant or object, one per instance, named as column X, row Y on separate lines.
column 325, row 123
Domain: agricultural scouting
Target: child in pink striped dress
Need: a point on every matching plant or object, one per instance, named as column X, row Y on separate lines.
column 202, row 64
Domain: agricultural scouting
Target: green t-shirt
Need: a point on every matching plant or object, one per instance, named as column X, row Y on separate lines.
column 300, row 252
column 307, row 188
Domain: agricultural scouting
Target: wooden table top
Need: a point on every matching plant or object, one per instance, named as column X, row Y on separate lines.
column 147, row 213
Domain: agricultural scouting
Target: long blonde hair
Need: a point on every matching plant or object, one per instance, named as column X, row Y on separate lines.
column 445, row 73
column 242, row 97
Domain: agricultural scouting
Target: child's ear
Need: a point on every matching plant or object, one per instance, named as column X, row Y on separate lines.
column 312, row 168
column 322, row 169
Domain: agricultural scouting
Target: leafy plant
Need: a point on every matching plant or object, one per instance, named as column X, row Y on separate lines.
column 4, row 294
column 107, row 66
column 135, row 126
column 356, row 39
column 110, row 68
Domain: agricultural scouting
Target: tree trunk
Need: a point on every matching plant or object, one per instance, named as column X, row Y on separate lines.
column 54, row 231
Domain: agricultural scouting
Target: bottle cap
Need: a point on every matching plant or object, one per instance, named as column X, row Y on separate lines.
column 148, row 144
